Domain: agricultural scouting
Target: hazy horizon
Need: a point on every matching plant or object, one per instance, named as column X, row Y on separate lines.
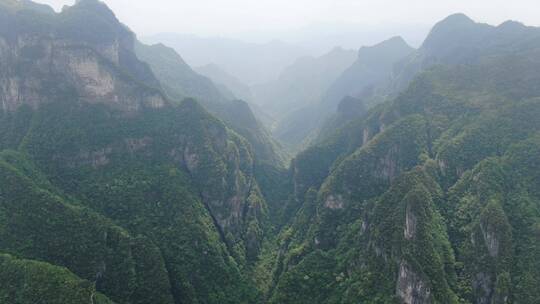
column 315, row 23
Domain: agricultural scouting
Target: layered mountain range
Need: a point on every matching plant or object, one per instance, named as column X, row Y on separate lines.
column 371, row 69
column 428, row 197
column 251, row 63
column 128, row 177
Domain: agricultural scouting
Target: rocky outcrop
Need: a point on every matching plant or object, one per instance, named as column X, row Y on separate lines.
column 483, row 286
column 410, row 224
column 410, row 287
column 388, row 166
column 334, row 202
column 42, row 66
column 491, row 240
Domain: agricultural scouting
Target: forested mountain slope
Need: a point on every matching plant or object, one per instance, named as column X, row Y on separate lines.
column 372, row 68
column 383, row 72
column 430, row 198
column 148, row 200
column 180, row 81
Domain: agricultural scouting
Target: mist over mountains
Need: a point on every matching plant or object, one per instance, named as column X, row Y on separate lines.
column 252, row 63
column 266, row 173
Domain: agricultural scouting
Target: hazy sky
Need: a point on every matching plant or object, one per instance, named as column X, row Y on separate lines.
column 237, row 17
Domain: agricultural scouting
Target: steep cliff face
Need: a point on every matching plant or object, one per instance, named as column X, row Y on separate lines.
column 44, row 58
column 168, row 190
column 410, row 287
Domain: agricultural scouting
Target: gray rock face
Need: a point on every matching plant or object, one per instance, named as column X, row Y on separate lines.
column 388, row 167
column 410, row 224
column 38, row 67
column 72, row 69
column 334, row 202
column 483, row 286
column 410, row 287
column 490, row 239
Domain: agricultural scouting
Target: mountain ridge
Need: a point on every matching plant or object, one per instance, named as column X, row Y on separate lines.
column 422, row 188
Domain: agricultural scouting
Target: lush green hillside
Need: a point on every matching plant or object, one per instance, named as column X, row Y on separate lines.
column 149, row 200
column 180, row 81
column 433, row 205
column 112, row 191
column 28, row 282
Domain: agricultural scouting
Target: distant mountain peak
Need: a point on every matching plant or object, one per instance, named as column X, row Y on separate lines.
column 394, row 46
column 396, row 41
column 97, row 6
column 458, row 18
column 511, row 25
column 453, row 31
column 164, row 49
column 453, row 22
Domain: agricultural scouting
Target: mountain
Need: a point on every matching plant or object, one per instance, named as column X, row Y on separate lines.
column 234, row 89
column 429, row 197
column 177, row 78
column 303, row 82
column 455, row 40
column 110, row 190
column 35, row 72
column 114, row 188
column 37, row 280
column 373, row 67
column 229, row 84
column 363, row 84
column 459, row 40
column 252, row 63
column 180, row 81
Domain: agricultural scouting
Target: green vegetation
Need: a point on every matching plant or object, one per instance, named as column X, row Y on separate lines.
column 160, row 202
column 180, row 81
column 29, row 282
column 425, row 193
column 430, row 197
column 149, row 205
